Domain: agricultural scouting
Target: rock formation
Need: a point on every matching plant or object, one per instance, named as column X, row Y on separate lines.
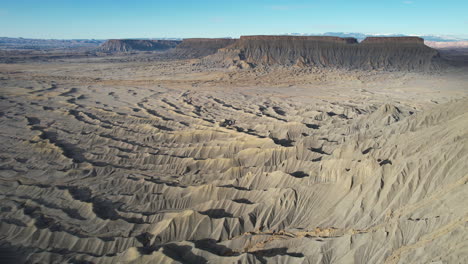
column 301, row 38
column 387, row 53
column 126, row 45
column 201, row 47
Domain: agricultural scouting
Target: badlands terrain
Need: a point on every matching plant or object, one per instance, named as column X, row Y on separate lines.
column 258, row 150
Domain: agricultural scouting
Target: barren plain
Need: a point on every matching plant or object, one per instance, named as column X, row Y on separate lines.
column 142, row 159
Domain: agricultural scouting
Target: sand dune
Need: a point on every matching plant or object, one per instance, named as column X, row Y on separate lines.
column 173, row 162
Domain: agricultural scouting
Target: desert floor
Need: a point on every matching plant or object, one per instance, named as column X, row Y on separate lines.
column 119, row 159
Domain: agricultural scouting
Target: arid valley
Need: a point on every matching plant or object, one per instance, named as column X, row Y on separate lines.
column 261, row 150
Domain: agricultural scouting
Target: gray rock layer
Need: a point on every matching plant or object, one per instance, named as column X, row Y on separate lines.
column 402, row 53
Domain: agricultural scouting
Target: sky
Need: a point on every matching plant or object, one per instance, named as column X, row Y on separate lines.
column 103, row 19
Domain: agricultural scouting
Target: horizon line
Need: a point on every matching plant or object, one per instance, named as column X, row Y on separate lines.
column 446, row 37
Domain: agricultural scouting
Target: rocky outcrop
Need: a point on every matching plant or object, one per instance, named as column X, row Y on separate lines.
column 388, row 53
column 126, row 45
column 201, row 47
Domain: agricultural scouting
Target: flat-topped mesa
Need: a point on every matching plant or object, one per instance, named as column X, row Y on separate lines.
column 301, row 38
column 201, row 47
column 126, row 45
column 393, row 40
column 396, row 53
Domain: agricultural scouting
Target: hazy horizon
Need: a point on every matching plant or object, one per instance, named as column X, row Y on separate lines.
column 445, row 37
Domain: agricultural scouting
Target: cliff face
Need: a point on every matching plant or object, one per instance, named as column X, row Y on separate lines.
column 201, row 47
column 394, row 40
column 126, row 45
column 400, row 53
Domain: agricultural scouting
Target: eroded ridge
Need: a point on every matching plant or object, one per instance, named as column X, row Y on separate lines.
column 382, row 53
column 153, row 171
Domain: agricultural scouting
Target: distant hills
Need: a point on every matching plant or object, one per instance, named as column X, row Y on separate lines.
column 47, row 44
column 447, row 45
column 7, row 43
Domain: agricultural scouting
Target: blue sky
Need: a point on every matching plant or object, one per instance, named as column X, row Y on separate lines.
column 103, row 19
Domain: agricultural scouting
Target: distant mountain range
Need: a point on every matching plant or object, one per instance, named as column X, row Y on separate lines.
column 47, row 44
column 361, row 36
column 7, row 43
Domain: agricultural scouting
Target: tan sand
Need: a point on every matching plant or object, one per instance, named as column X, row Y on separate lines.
column 109, row 160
